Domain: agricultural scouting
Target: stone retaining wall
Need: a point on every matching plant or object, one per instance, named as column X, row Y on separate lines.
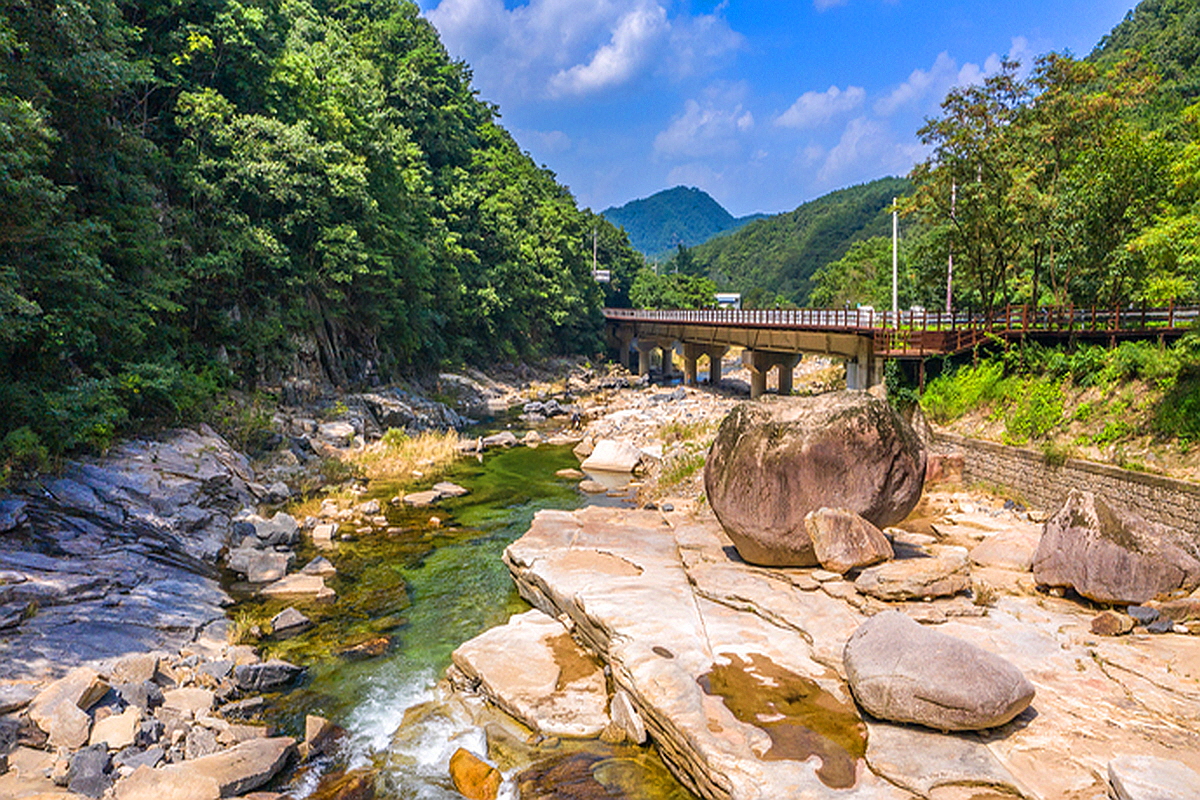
column 1044, row 486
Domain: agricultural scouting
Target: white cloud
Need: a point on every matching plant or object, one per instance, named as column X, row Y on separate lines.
column 631, row 45
column 822, row 5
column 571, row 48
column 704, row 130
column 813, row 109
column 867, row 149
column 928, row 87
column 540, row 142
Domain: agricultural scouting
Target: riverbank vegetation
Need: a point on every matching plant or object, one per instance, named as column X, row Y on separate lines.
column 215, row 195
column 1137, row 405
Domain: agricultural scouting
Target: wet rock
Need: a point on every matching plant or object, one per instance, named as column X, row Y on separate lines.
column 1137, row 777
column 281, row 530
column 502, row 439
column 627, row 718
column 299, row 585
column 323, row 536
column 1110, row 623
column 320, row 566
column 589, row 486
column 356, row 784
column 903, row 672
column 943, row 574
column 774, row 462
column 610, row 455
column 88, row 772
column 534, row 670
column 371, row 648
column 842, row 540
column 422, row 499
column 267, row 676
column 474, row 778
column 289, row 623
column 1109, row 554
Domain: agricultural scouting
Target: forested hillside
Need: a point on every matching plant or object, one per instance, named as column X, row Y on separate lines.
column 773, row 259
column 210, row 193
column 686, row 216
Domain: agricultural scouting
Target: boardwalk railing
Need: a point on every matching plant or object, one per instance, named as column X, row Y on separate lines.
column 917, row 331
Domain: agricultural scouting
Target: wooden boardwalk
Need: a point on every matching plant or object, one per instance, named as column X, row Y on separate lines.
column 920, row 334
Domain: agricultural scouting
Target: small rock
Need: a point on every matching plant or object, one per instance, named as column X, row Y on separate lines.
column 368, row 509
column 474, row 778
column 1161, row 625
column 842, row 540
column 626, row 717
column 281, row 529
column 611, row 455
column 501, row 439
column 289, row 623
column 61, row 708
column 589, row 486
column 901, row 671
column 448, row 489
column 569, row 474
column 341, row 434
column 371, row 648
column 190, row 700
column 147, row 783
column 200, row 742
column 88, row 772
column 267, row 676
column 1110, row 623
column 242, row 768
column 1142, row 615
column 1136, row 777
column 15, row 696
column 299, row 586
column 119, row 730
column 278, row 492
column 136, row 668
column 323, row 536
column 133, row 758
column 422, row 499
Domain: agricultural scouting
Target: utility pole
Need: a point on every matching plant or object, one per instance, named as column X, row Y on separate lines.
column 593, row 252
column 895, row 265
column 950, row 261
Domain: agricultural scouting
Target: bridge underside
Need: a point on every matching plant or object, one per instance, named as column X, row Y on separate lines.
column 765, row 349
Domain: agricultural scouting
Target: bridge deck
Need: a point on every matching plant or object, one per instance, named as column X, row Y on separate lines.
column 917, row 334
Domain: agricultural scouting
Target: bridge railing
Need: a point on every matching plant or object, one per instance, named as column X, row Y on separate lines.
column 1010, row 318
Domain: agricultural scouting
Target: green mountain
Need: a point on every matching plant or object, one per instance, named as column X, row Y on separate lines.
column 658, row 224
column 1167, row 34
column 776, row 256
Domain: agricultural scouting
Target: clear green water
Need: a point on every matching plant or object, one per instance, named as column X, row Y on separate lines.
column 425, row 590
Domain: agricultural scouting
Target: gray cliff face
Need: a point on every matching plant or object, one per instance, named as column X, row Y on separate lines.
column 118, row 554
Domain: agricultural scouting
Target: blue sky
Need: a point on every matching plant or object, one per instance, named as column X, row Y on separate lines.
column 764, row 104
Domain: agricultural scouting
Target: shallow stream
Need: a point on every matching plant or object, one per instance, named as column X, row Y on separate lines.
column 406, row 598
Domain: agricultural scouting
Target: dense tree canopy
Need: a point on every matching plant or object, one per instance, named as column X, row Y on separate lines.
column 204, row 193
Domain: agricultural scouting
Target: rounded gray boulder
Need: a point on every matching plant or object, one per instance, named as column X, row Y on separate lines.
column 901, row 671
column 773, row 462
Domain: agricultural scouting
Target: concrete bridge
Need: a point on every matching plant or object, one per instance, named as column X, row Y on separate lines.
column 775, row 339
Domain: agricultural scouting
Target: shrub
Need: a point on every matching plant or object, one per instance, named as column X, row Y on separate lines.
column 1037, row 410
column 949, row 396
column 22, row 454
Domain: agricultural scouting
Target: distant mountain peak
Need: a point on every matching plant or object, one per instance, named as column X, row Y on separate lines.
column 685, row 215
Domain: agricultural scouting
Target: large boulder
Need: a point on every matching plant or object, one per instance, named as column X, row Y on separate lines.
column 774, row 462
column 1110, row 554
column 901, row 671
column 612, row 455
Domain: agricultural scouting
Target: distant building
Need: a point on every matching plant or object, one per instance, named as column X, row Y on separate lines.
column 729, row 300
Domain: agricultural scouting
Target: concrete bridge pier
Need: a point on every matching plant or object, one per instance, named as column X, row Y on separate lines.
column 691, row 358
column 624, row 339
column 864, row 369
column 645, row 348
column 761, row 362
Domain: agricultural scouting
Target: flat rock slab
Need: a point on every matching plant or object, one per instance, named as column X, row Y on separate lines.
column 300, row 585
column 943, row 574
column 720, row 622
column 535, row 671
column 612, row 455
column 238, row 769
column 1148, row 778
